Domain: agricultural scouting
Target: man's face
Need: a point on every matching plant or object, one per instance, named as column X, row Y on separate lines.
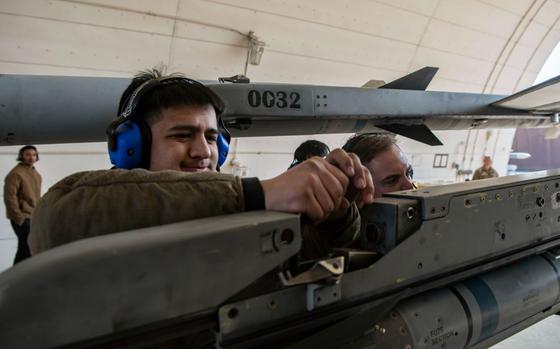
column 29, row 157
column 184, row 139
column 487, row 161
column 390, row 171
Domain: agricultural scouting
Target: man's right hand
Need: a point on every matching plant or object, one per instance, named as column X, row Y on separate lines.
column 316, row 187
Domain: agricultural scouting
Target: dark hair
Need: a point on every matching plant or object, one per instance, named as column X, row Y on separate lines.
column 311, row 148
column 308, row 149
column 23, row 149
column 168, row 94
column 368, row 145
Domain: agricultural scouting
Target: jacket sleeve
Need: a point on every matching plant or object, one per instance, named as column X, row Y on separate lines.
column 476, row 175
column 94, row 203
column 319, row 240
column 11, row 186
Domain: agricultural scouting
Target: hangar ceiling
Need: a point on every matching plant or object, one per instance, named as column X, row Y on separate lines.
column 493, row 46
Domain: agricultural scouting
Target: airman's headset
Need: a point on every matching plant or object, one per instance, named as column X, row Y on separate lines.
column 129, row 136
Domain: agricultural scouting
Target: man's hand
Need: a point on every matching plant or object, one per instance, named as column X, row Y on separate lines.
column 360, row 188
column 317, row 187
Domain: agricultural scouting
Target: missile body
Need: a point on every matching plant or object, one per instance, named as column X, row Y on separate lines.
column 469, row 312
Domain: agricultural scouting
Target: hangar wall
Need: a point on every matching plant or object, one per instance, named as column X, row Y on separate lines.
column 480, row 46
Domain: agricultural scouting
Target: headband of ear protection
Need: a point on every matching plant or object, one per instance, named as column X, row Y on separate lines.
column 129, row 137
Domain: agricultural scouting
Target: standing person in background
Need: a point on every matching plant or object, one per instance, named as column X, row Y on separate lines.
column 22, row 190
column 309, row 149
column 486, row 171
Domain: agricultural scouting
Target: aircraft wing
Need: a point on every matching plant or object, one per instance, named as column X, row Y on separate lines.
column 542, row 98
column 57, row 109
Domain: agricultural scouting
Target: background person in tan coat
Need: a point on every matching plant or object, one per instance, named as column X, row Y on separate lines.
column 22, row 190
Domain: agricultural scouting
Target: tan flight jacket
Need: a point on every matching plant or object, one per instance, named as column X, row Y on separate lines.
column 102, row 202
column 22, row 190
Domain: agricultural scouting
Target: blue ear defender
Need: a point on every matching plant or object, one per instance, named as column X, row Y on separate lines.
column 130, row 139
column 223, row 141
column 128, row 143
column 129, row 147
column 223, row 149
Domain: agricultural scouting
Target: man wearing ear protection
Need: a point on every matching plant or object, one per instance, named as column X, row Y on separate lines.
column 167, row 145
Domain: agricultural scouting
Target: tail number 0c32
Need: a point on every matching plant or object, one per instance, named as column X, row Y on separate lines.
column 270, row 99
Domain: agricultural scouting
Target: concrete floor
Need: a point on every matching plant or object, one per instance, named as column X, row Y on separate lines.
column 8, row 245
column 542, row 335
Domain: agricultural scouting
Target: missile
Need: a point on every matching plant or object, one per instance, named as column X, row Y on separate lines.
column 467, row 313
